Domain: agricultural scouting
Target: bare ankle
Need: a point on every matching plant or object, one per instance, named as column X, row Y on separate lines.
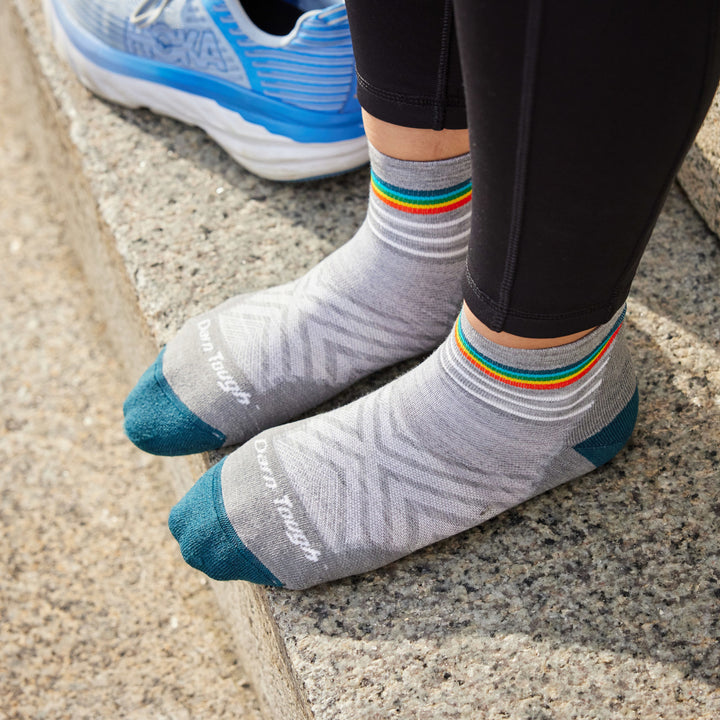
column 415, row 144
column 517, row 341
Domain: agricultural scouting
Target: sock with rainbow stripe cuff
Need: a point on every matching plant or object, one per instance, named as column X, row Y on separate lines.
column 474, row 430
column 389, row 294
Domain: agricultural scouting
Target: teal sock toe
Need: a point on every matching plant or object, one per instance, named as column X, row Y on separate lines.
column 207, row 539
column 158, row 422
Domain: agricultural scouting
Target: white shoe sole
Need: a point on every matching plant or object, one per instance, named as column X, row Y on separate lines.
column 262, row 152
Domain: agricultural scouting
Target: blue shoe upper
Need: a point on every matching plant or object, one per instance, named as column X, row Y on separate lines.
column 301, row 85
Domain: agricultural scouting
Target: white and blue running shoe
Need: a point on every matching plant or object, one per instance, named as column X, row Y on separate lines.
column 272, row 81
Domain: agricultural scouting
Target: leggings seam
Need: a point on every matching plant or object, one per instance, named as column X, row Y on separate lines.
column 443, row 64
column 423, row 100
column 532, row 41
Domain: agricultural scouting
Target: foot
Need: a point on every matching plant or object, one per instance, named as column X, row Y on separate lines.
column 258, row 360
column 279, row 98
column 475, row 429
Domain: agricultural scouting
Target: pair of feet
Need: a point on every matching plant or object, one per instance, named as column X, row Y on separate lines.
column 473, row 430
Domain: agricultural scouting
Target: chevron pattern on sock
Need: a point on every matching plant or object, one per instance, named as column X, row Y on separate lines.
column 439, row 450
column 389, row 294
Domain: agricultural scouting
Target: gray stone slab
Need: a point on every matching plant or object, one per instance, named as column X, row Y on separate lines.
column 700, row 173
column 596, row 600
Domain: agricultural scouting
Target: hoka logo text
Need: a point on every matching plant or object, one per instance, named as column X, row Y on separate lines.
column 197, row 49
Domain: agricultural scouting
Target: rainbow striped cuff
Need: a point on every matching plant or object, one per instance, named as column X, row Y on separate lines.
column 421, row 202
column 536, row 379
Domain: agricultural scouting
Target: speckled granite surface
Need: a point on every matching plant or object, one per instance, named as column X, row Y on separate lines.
column 700, row 173
column 598, row 600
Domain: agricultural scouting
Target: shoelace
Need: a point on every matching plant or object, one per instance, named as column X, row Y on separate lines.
column 149, row 11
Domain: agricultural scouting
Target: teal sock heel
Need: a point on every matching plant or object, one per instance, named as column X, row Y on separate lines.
column 604, row 445
column 207, row 539
column 158, row 422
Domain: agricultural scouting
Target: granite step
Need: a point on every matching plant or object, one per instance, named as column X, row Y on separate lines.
column 596, row 600
column 699, row 175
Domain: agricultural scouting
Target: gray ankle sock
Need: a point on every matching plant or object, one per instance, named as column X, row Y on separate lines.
column 475, row 429
column 260, row 359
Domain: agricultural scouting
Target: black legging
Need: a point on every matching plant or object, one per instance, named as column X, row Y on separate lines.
column 580, row 113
